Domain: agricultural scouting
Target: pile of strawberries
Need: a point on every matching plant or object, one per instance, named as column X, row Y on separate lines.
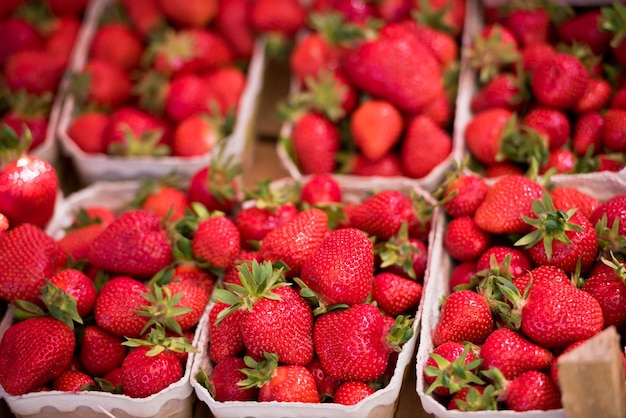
column 550, row 89
column 35, row 32
column 112, row 304
column 375, row 88
column 539, row 269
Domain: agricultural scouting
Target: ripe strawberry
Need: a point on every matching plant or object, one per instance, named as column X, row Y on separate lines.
column 513, row 354
column 387, row 67
column 78, row 285
column 215, row 186
column 584, row 28
column 28, row 184
column 135, row 244
column 296, row 240
column 315, row 141
column 67, row 8
column 351, row 393
column 396, row 294
column 561, row 160
column 313, row 54
column 192, row 297
column 614, row 211
column 596, row 97
column 226, row 337
column 450, row 367
column 504, row 90
column 116, row 306
column 464, row 240
column 227, row 85
column 144, row 374
column 104, row 84
column 559, row 81
column 485, row 131
column 427, row 143
column 271, row 17
column 164, row 200
column 507, row 201
column 28, row 256
column 33, row 352
column 179, row 98
column 189, row 13
column 403, row 255
column 472, row 398
column 118, row 44
column 144, row 15
column 326, row 385
column 197, row 135
column 196, row 276
column 62, row 36
column 355, row 343
column 320, row 189
column 76, row 242
column 72, row 381
column 493, row 50
column 518, row 262
column 224, row 381
column 231, row 22
column 532, row 390
column 20, row 35
column 387, row 166
column 23, row 70
column 462, row 194
column 562, row 239
column 87, row 131
column 613, row 133
column 216, row 241
column 552, row 123
column 382, row 214
column 532, row 55
column 608, row 286
column 100, row 351
column 530, row 25
column 566, row 198
column 375, row 126
column 340, row 271
column 461, row 275
column 276, row 318
column 465, row 316
column 587, row 134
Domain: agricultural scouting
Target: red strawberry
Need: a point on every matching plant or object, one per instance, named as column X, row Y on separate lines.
column 450, row 367
column 20, row 35
column 518, row 264
column 559, row 81
column 296, row 240
column 396, row 294
column 465, row 316
column 387, row 166
column 28, row 184
column 23, row 70
column 226, row 337
column 566, row 198
column 464, row 240
column 587, row 134
column 33, row 352
column 507, row 200
column 312, row 55
column 134, row 132
column 100, row 351
column 62, row 36
column 144, row 375
column 505, row 91
column 607, row 284
column 449, row 15
column 215, row 186
column 273, row 17
column 403, row 255
column 78, row 285
column 326, row 385
column 87, row 131
column 494, row 49
column 166, row 201
column 596, row 97
column 107, row 84
column 72, row 381
column 224, row 381
column 532, row 390
column 76, row 242
column 144, row 15
column 231, row 22
column 67, row 8
column 320, row 189
column 351, row 393
column 227, row 85
column 395, row 66
column 189, row 13
column 562, row 160
column 118, row 44
column 216, row 241
column 529, row 25
column 192, row 297
column 614, row 131
column 553, row 124
column 461, row 274
column 116, row 306
column 353, row 344
column 463, row 194
column 197, row 135
column 584, row 28
column 375, row 127
column 532, row 55
column 187, row 95
column 341, row 269
column 513, row 354
column 382, row 214
column 315, row 141
column 484, row 133
column 28, row 256
column 426, row 142
column 135, row 244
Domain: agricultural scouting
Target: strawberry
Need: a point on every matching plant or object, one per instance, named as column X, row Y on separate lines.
column 584, row 28
column 276, row 318
column 28, row 257
column 485, row 131
column 225, row 378
column 493, row 50
column 118, row 44
column 465, row 316
column 105, row 84
column 215, row 186
column 100, row 351
column 462, row 194
column 340, row 271
column 505, row 90
column 551, row 123
column 272, row 17
column 596, row 97
column 425, row 142
column 450, row 367
column 507, row 201
column 395, row 294
column 559, row 81
column 28, row 184
column 226, row 337
column 569, row 242
column 530, row 24
column 608, row 285
column 403, row 255
column 23, row 70
column 395, row 66
column 326, row 385
column 532, row 390
column 464, row 239
column 192, row 297
column 216, row 241
column 72, row 381
column 197, row 135
column 320, row 189
column 189, row 13
column 561, row 161
column 532, row 55
column 135, row 244
column 87, row 131
column 144, row 373
column 75, row 243
column 227, row 85
column 313, row 54
column 447, row 15
column 472, row 398
column 387, row 166
column 296, row 240
column 513, row 354
column 613, row 136
column 116, row 306
column 566, row 198
column 517, row 262
column 442, row 44
column 186, row 95
column 33, row 352
column 351, row 393
column 78, row 285
column 164, row 200
column 279, row 382
column 461, row 275
column 355, row 343
column 613, row 211
column 231, row 22
column 316, row 141
column 375, row 126
column 382, row 214
column 587, row 134
column 62, row 37
column 20, row 35
column 29, row 113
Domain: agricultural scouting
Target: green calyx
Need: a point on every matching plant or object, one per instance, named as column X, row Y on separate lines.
column 258, row 280
column 159, row 342
column 400, row 332
column 258, row 372
column 614, row 21
column 398, row 251
column 489, row 54
column 12, row 145
column 479, row 401
column 610, row 241
column 549, row 224
column 144, row 145
column 453, row 375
